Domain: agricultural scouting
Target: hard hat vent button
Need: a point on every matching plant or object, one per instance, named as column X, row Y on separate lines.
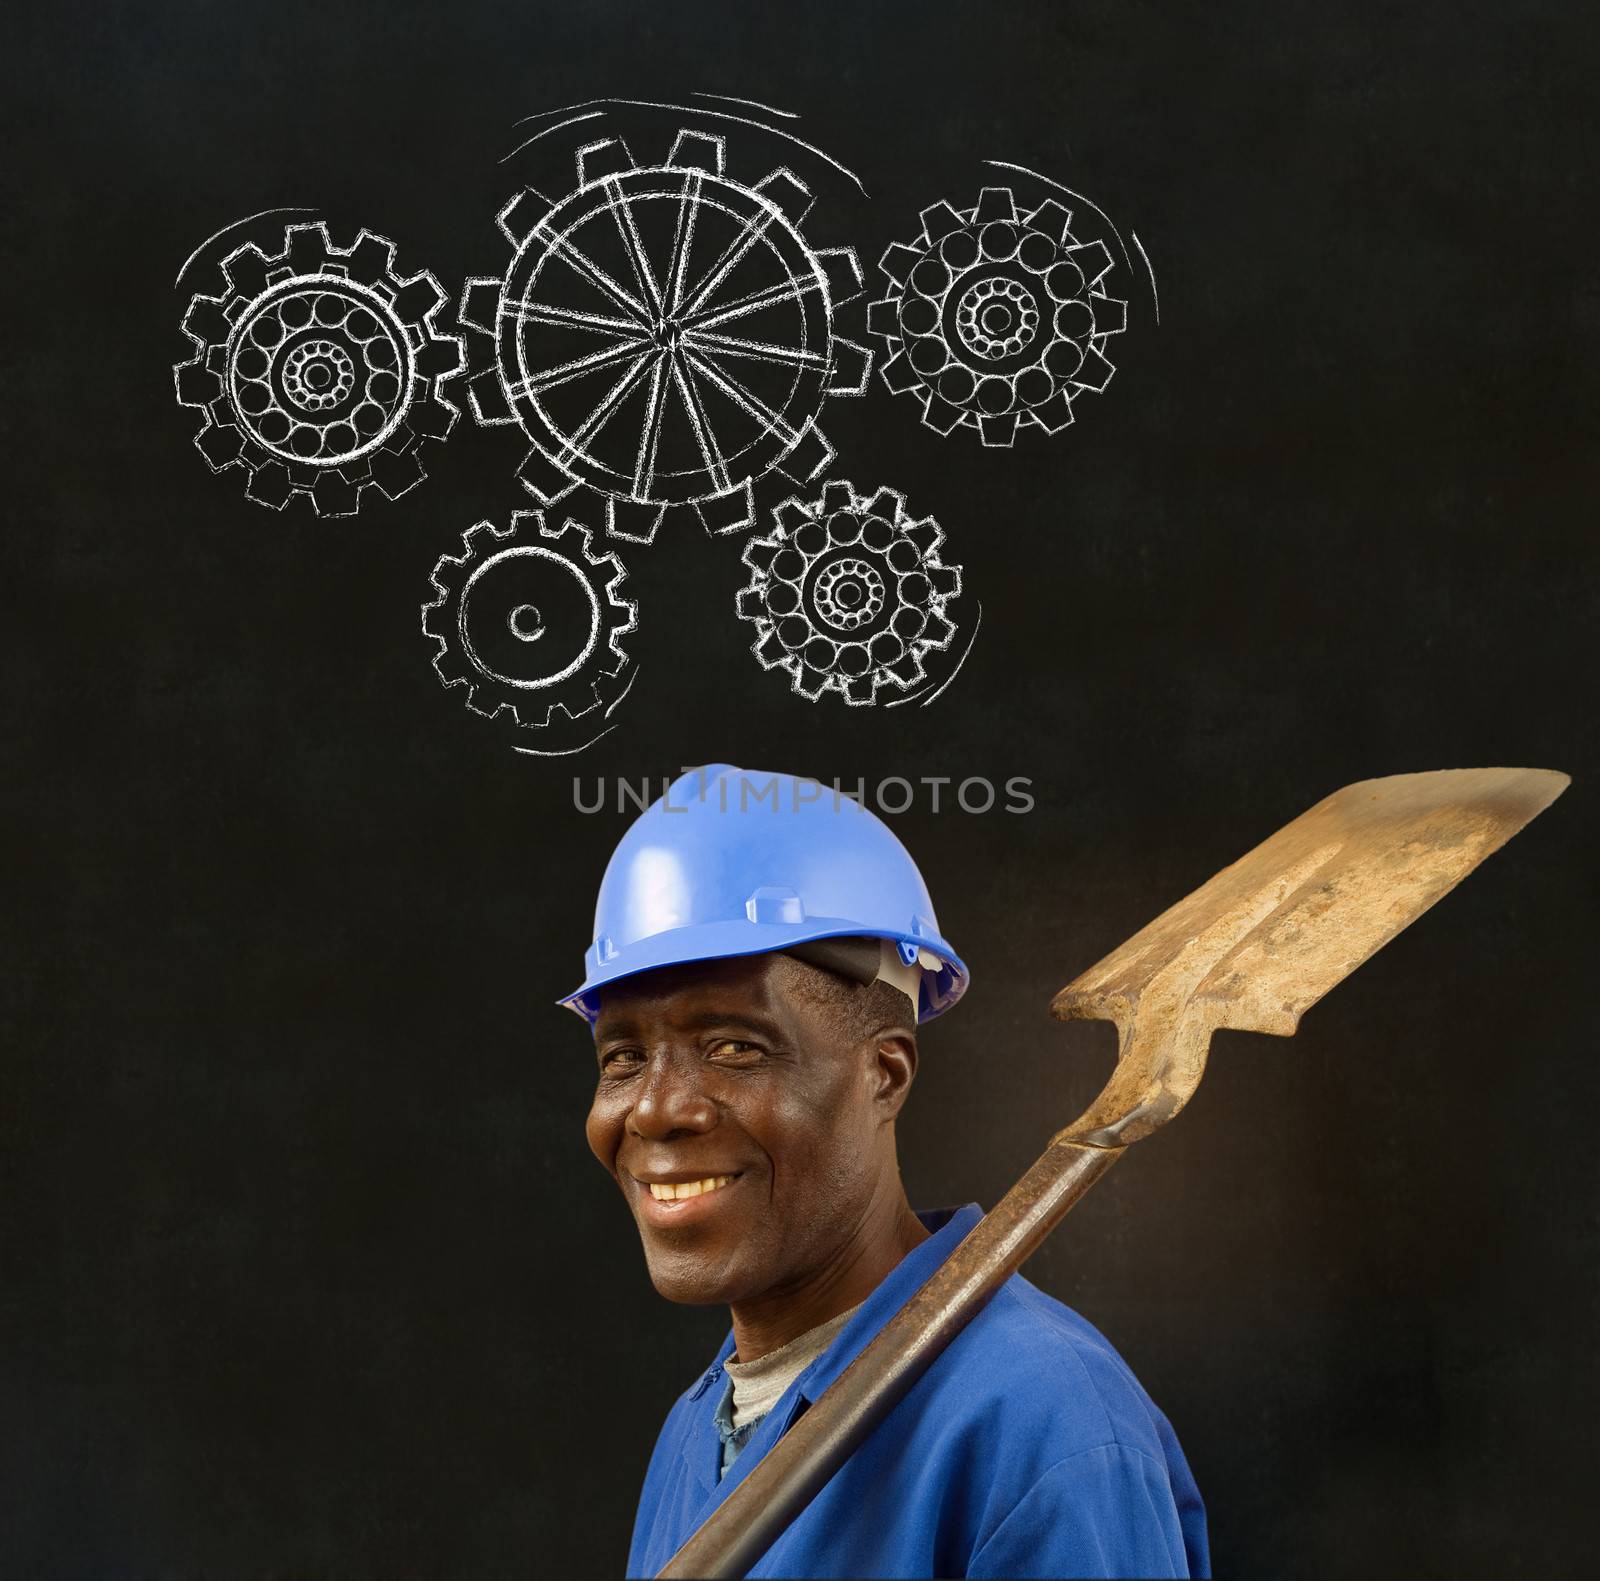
column 770, row 904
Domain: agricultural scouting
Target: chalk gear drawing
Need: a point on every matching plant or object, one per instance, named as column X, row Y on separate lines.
column 996, row 320
column 664, row 335
column 318, row 369
column 848, row 594
column 531, row 620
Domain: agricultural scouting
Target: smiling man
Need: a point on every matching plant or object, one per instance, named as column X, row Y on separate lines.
column 764, row 952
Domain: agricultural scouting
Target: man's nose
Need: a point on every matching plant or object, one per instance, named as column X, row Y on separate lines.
column 671, row 1102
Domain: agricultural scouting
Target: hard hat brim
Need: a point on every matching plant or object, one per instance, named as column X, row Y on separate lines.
column 712, row 941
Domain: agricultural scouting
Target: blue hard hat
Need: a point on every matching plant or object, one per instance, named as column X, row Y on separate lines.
column 734, row 862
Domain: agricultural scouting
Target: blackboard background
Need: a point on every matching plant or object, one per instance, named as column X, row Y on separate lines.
column 307, row 1268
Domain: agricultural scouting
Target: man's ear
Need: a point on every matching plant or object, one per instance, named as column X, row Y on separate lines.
column 894, row 1052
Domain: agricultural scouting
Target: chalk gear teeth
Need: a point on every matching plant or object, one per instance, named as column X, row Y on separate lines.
column 848, row 594
column 531, row 620
column 996, row 321
column 664, row 335
column 319, row 369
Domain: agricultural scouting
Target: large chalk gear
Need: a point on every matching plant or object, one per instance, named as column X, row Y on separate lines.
column 664, row 335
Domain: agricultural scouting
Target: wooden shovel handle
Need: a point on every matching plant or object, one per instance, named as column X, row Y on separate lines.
column 785, row 1479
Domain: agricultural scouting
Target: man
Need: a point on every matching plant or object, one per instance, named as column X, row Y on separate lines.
column 764, row 951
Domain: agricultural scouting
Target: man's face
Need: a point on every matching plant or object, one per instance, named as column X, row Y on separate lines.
column 722, row 1069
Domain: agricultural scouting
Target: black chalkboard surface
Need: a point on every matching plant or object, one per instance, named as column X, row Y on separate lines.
column 308, row 1270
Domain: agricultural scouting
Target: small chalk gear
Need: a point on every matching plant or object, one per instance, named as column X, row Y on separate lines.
column 997, row 320
column 849, row 594
column 530, row 619
column 319, row 370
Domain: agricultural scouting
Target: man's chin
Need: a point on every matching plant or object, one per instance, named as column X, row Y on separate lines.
column 693, row 1281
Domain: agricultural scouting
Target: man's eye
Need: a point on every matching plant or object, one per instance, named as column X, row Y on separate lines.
column 620, row 1059
column 734, row 1046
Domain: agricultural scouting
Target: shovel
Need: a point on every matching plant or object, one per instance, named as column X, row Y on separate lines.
column 1251, row 950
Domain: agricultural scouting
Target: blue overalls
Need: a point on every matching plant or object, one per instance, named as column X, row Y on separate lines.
column 1027, row 1449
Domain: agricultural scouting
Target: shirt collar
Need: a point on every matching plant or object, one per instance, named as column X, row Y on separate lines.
column 949, row 1227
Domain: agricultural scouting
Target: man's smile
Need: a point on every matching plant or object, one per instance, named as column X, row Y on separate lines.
column 667, row 1191
column 678, row 1197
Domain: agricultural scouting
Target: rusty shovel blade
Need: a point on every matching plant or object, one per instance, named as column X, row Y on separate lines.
column 1264, row 940
column 1253, row 949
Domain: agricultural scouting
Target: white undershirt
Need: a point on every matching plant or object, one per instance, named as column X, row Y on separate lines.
column 757, row 1384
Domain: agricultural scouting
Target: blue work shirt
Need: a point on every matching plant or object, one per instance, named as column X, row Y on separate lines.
column 1027, row 1449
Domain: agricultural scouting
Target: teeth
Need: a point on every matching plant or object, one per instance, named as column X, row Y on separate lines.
column 666, row 1191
